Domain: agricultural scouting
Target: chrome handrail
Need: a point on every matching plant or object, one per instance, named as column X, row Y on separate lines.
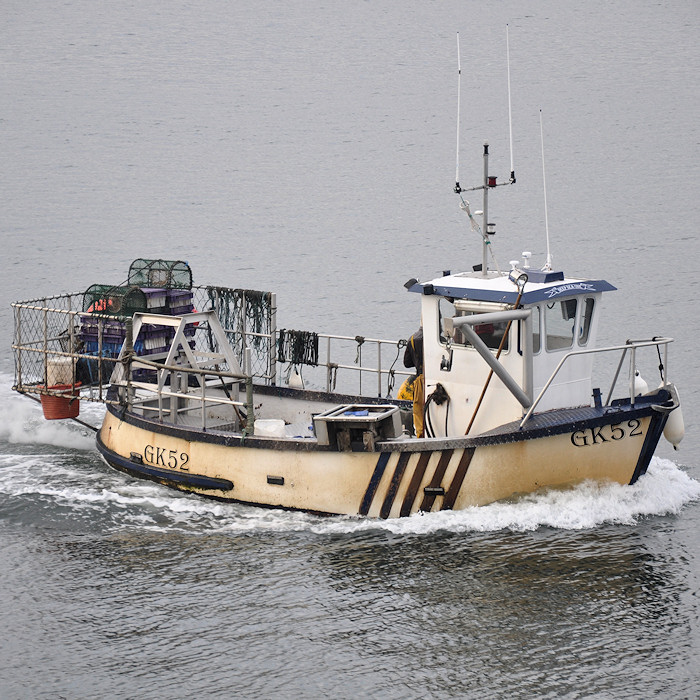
column 629, row 345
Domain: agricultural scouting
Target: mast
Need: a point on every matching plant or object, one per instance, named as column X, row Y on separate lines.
column 485, row 219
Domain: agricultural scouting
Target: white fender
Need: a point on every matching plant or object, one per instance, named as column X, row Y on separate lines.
column 295, row 381
column 640, row 386
column 674, row 430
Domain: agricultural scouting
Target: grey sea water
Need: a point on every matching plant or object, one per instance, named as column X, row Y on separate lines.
column 309, row 149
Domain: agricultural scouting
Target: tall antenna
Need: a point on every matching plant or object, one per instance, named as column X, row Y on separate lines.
column 548, row 264
column 489, row 181
column 510, row 111
column 458, row 189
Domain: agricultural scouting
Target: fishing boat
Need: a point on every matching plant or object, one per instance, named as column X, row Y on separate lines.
column 205, row 394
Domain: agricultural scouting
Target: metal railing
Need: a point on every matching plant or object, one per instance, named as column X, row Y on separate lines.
column 200, row 400
column 45, row 335
column 630, row 346
column 370, row 345
column 49, row 329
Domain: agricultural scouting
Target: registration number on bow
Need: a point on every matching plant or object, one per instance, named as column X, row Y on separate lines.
column 606, row 433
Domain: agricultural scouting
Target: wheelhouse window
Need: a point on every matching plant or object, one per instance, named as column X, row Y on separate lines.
column 560, row 322
column 536, row 329
column 490, row 333
column 586, row 318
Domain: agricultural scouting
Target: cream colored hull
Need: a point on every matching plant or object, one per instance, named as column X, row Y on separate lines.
column 404, row 478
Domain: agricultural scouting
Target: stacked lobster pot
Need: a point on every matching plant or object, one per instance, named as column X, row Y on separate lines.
column 153, row 286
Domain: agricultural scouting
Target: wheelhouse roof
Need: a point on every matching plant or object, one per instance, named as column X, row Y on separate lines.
column 497, row 287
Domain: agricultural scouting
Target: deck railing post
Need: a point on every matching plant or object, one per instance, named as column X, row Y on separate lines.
column 633, row 372
column 71, row 347
column 250, row 415
column 203, row 385
column 272, row 349
column 242, row 323
column 128, row 355
column 18, row 325
column 617, row 374
column 100, row 349
column 46, row 347
column 160, row 396
column 329, row 369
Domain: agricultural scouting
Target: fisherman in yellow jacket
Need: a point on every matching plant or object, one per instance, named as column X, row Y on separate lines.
column 413, row 357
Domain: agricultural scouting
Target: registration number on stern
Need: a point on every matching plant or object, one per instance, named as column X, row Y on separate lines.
column 161, row 457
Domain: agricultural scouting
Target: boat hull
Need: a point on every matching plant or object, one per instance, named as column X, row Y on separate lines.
column 399, row 477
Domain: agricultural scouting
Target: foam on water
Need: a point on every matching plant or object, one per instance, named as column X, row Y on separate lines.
column 663, row 490
column 127, row 503
column 22, row 422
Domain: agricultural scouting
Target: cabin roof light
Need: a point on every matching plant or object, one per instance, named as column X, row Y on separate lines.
column 516, row 276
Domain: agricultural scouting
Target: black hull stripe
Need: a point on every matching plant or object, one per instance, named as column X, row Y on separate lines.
column 436, row 481
column 374, row 483
column 162, row 475
column 413, row 487
column 394, row 485
column 452, row 493
column 656, row 428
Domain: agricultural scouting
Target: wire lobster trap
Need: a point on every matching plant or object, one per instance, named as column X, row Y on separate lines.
column 122, row 302
column 170, row 274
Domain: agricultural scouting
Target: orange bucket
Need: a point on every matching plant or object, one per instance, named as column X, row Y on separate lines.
column 57, row 407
